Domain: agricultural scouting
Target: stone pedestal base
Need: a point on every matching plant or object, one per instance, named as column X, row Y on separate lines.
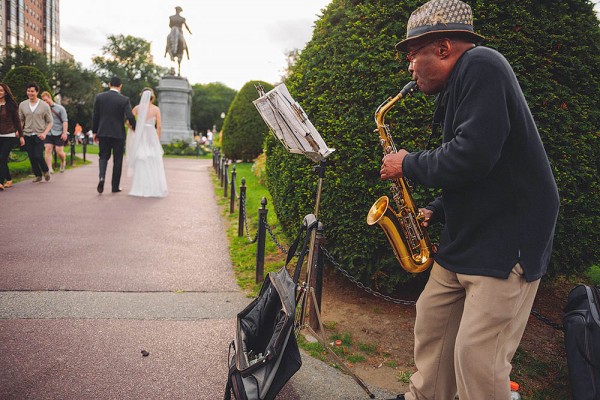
column 175, row 102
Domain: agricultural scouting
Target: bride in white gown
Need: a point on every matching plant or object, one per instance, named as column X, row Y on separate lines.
column 144, row 152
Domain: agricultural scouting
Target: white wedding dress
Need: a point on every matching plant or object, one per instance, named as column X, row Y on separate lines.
column 145, row 163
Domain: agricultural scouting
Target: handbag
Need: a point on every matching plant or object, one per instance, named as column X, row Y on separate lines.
column 265, row 350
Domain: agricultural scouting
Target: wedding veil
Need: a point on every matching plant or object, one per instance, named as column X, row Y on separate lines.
column 135, row 138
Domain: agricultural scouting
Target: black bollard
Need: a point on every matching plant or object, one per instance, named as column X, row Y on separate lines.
column 223, row 164
column 232, row 194
column 261, row 241
column 225, row 180
column 242, row 208
column 85, row 143
column 72, row 142
column 316, row 278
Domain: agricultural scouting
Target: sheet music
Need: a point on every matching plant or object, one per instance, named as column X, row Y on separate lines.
column 289, row 123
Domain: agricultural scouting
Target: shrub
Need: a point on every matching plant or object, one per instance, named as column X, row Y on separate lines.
column 179, row 148
column 349, row 67
column 18, row 78
column 243, row 129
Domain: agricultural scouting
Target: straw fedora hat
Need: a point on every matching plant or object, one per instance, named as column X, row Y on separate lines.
column 438, row 17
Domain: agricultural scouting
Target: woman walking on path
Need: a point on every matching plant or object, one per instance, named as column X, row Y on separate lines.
column 144, row 152
column 10, row 129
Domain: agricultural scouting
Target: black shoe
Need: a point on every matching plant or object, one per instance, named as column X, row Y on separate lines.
column 117, row 190
column 398, row 397
column 101, row 186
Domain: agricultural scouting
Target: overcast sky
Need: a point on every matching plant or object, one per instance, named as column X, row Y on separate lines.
column 232, row 41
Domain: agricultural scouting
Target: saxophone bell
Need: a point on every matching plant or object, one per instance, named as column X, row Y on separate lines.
column 413, row 255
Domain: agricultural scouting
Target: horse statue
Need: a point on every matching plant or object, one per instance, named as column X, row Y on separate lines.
column 176, row 44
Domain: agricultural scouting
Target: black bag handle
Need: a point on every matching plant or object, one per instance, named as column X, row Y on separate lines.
column 310, row 222
column 232, row 369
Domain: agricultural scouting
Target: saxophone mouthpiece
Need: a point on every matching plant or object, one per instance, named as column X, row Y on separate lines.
column 409, row 88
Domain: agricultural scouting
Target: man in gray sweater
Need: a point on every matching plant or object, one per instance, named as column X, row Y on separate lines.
column 37, row 120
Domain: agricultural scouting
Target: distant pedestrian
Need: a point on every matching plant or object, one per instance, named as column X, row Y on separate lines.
column 209, row 138
column 37, row 121
column 10, row 129
column 56, row 138
column 111, row 108
column 78, row 133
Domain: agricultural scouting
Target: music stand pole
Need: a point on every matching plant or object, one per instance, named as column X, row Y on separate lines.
column 308, row 290
column 313, row 234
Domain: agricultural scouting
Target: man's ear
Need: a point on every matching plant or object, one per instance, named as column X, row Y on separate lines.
column 445, row 48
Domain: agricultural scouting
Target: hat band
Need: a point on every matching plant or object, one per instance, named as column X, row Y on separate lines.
column 420, row 30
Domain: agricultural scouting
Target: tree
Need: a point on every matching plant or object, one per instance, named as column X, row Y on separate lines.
column 129, row 58
column 17, row 56
column 244, row 130
column 18, row 78
column 76, row 87
column 349, row 67
column 208, row 103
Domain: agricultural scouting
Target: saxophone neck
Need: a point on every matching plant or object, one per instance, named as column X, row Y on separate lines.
column 382, row 110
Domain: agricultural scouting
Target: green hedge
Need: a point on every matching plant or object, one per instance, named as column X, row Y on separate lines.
column 244, row 130
column 350, row 67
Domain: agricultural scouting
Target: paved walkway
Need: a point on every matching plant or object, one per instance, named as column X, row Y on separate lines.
column 88, row 282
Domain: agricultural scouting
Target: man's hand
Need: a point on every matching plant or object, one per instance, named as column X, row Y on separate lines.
column 94, row 138
column 64, row 136
column 392, row 165
column 426, row 215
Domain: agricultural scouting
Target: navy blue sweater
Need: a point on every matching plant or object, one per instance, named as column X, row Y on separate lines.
column 499, row 198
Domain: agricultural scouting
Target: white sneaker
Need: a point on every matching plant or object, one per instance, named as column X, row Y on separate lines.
column 63, row 165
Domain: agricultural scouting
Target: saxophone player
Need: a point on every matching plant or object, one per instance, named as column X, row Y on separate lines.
column 499, row 207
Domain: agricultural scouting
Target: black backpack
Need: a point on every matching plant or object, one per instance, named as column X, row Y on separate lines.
column 581, row 324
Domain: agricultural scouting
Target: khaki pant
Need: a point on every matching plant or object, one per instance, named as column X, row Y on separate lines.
column 467, row 330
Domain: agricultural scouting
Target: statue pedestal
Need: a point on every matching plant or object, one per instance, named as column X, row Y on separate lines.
column 175, row 102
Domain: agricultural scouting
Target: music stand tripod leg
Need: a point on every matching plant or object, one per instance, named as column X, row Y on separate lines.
column 331, row 352
column 303, row 300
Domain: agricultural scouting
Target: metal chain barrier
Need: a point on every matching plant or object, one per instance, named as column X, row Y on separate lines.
column 361, row 285
column 246, row 224
column 277, row 243
column 546, row 320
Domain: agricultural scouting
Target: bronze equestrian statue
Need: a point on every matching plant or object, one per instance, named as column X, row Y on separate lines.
column 175, row 41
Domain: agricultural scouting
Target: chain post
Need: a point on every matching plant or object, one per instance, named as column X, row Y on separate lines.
column 225, row 180
column 242, row 208
column 232, row 199
column 85, row 141
column 260, row 245
column 316, row 278
column 222, row 169
column 72, row 143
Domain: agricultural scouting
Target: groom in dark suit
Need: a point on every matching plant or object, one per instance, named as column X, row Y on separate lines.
column 111, row 109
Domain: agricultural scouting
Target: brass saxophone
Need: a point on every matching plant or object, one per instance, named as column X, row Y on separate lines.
column 408, row 238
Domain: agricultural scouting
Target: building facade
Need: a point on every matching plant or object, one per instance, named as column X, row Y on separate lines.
column 31, row 23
